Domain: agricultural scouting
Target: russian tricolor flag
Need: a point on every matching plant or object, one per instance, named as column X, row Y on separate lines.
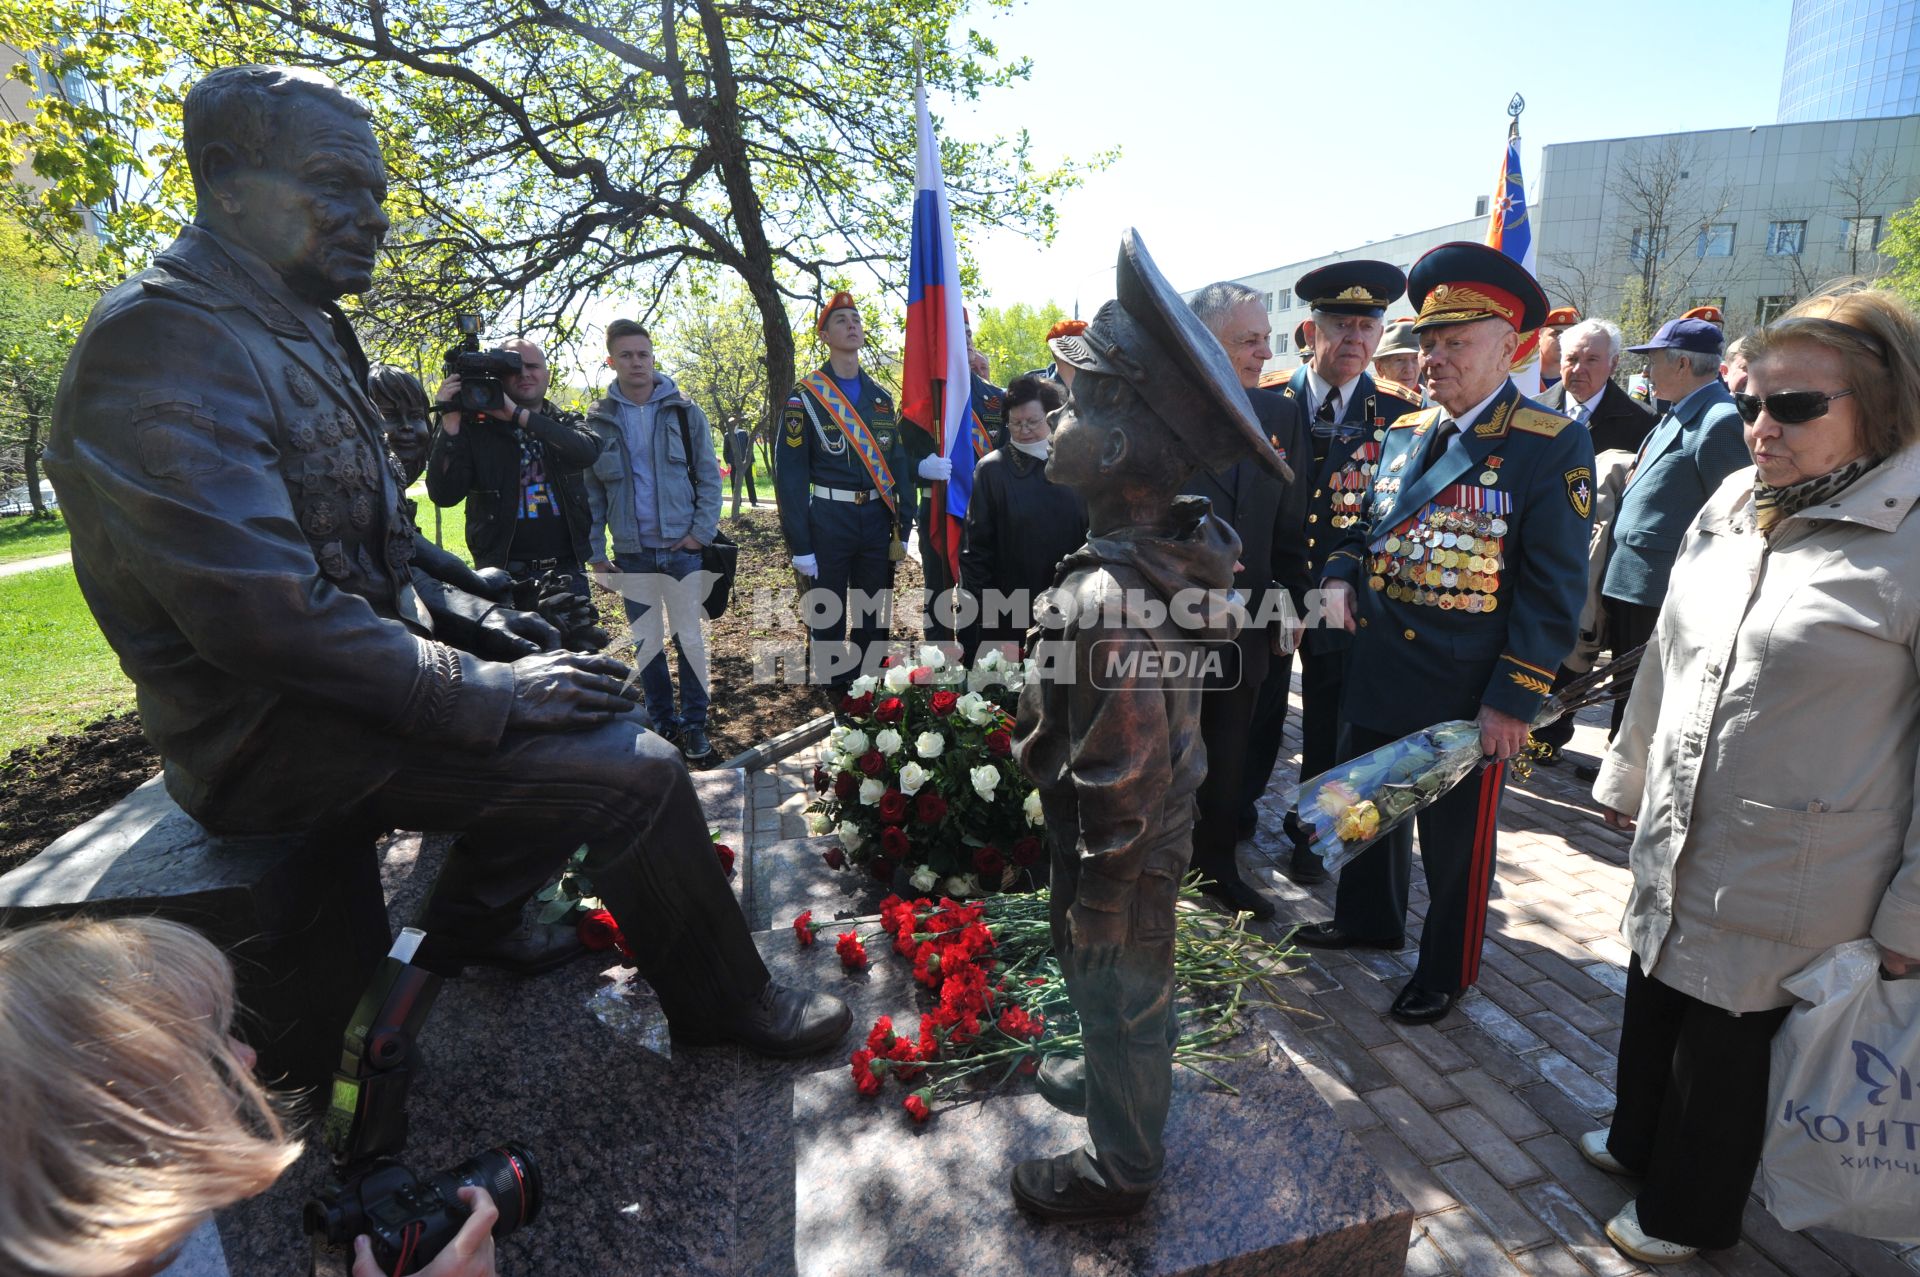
column 935, row 384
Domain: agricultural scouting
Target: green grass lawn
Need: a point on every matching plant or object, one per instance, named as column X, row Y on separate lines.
column 26, row 538
column 57, row 672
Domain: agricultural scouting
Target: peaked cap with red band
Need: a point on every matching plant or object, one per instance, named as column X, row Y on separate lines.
column 1463, row 282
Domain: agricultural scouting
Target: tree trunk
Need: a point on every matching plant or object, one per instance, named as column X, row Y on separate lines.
column 30, row 454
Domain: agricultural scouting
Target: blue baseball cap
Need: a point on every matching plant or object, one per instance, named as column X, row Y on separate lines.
column 1696, row 335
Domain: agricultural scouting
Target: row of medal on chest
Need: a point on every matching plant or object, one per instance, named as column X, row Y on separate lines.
column 1450, row 560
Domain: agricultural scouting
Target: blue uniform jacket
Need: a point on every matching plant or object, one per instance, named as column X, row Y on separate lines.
column 1470, row 572
column 1344, row 457
column 1680, row 465
column 814, row 450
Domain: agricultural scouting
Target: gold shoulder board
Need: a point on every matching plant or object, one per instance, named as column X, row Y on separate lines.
column 1536, row 421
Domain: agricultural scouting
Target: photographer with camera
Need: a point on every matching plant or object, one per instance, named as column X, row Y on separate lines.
column 134, row 1114
column 518, row 468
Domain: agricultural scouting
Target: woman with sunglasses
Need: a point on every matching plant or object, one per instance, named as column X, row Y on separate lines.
column 1766, row 764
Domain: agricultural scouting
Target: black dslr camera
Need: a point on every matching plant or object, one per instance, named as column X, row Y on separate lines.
column 409, row 1217
column 480, row 370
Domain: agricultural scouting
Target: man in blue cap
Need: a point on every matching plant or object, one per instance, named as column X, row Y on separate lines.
column 1347, row 413
column 1697, row 444
column 1461, row 580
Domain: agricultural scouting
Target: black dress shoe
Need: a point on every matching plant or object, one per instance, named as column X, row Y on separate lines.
column 1066, row 1189
column 1228, row 888
column 1583, row 772
column 529, row 949
column 1416, row 1005
column 1331, row 935
column 780, row 1021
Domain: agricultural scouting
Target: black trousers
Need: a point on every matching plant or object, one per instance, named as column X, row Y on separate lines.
column 1692, row 1109
column 850, row 546
column 1560, row 730
column 1323, row 676
column 938, row 578
column 1266, row 733
column 1457, row 842
column 522, row 810
column 1628, row 626
column 1226, row 714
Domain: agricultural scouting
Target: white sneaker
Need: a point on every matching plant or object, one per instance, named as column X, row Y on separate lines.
column 1593, row 1147
column 1625, row 1232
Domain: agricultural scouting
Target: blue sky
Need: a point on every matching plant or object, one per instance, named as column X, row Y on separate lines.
column 1255, row 134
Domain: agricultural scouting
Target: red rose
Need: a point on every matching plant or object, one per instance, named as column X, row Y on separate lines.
column 872, row 763
column 1026, row 850
column 598, row 931
column 893, row 807
column 835, row 858
column 894, row 843
column 999, row 744
column 821, row 780
column 929, row 807
column 853, row 954
column 943, row 702
column 917, row 1107
column 845, row 786
column 803, row 928
column 921, row 675
column 725, row 853
column 881, row 868
column 988, row 862
column 890, row 710
column 859, row 706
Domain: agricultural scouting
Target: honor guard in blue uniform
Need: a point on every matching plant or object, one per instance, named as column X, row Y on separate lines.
column 1347, row 414
column 986, row 429
column 845, row 489
column 1465, row 569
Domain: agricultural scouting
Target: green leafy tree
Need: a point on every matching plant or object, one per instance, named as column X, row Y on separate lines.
column 712, row 345
column 1901, row 246
column 1014, row 338
column 40, row 315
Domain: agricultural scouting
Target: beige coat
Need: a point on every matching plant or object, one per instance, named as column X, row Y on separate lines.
column 1770, row 745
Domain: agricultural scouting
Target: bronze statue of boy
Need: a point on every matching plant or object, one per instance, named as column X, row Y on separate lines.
column 1110, row 729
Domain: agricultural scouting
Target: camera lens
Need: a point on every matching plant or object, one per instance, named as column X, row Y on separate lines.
column 511, row 1177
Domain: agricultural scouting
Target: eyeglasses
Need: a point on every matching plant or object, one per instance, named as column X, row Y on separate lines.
column 1788, row 407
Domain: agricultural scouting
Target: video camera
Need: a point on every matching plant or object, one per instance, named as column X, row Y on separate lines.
column 409, row 1217
column 480, row 370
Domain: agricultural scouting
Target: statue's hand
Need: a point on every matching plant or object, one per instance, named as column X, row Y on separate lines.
column 507, row 635
column 497, row 583
column 567, row 691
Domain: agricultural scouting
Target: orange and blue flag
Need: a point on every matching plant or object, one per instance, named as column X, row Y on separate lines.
column 1510, row 229
column 935, row 383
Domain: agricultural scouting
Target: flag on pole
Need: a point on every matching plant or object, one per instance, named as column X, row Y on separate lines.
column 1510, row 230
column 935, row 382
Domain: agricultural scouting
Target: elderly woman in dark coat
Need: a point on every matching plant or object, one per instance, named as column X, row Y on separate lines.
column 1019, row 523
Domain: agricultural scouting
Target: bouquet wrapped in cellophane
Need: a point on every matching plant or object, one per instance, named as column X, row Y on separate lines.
column 1348, row 809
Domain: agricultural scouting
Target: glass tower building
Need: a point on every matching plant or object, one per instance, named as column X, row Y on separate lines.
column 1850, row 60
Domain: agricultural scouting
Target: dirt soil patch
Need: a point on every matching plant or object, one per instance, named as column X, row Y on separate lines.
column 47, row 789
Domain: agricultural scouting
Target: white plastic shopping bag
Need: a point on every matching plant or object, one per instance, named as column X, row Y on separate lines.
column 1843, row 1134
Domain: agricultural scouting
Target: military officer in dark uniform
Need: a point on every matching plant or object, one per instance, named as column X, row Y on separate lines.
column 986, row 430
column 1468, row 557
column 1347, row 413
column 846, row 497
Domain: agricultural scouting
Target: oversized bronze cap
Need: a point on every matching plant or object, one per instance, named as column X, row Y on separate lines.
column 1151, row 339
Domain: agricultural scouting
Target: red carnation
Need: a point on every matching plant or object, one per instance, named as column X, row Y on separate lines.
column 988, row 862
column 890, row 710
column 905, row 1057
column 853, row 954
column 845, row 786
column 725, row 853
column 1026, row 850
column 864, row 1077
column 929, row 807
column 598, row 930
column 835, row 858
column 894, row 843
column 803, row 928
column 916, row 1106
column 999, row 744
column 893, row 807
column 943, row 702
column 880, row 1036
column 872, row 763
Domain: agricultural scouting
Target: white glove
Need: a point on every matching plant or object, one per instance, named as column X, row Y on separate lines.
column 806, row 565
column 935, row 466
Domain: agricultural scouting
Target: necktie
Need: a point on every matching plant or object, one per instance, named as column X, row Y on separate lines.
column 1584, row 416
column 1329, row 407
column 1442, row 435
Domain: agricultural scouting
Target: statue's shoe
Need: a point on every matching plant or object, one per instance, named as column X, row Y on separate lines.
column 529, row 949
column 781, row 1021
column 1062, row 1081
column 1066, row 1189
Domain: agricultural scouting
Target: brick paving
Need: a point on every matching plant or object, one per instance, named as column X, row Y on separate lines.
column 1475, row 1119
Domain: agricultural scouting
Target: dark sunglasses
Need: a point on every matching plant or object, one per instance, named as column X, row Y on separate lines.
column 1788, row 407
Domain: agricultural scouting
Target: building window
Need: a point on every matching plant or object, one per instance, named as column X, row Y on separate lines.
column 1716, row 240
column 1786, row 239
column 1282, row 300
column 1480, row 206
column 1646, row 243
column 1862, row 234
column 1279, row 343
column 1771, row 308
column 1269, row 303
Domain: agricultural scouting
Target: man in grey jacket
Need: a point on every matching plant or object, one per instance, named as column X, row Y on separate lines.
column 656, row 488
